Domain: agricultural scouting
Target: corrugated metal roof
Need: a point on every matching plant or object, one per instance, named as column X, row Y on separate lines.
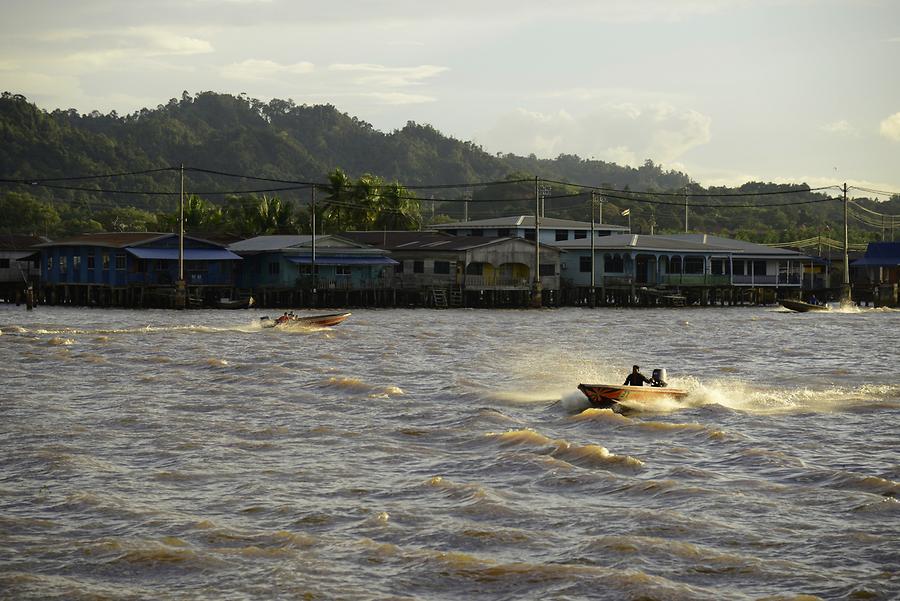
column 19, row 242
column 270, row 243
column 678, row 243
column 527, row 221
column 190, row 254
column 110, row 239
column 275, row 243
column 880, row 254
column 424, row 241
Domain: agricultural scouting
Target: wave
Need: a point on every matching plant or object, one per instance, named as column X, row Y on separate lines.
column 589, row 455
column 357, row 385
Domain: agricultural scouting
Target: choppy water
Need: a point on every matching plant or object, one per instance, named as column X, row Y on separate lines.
column 418, row 454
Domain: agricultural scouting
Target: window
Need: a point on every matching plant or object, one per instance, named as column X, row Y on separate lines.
column 580, row 235
column 63, row 264
column 418, row 266
column 613, row 264
column 105, row 261
column 503, row 233
column 584, row 264
column 120, row 260
column 478, row 232
column 76, row 263
column 274, row 268
column 693, row 265
column 759, row 268
column 49, row 264
column 717, row 267
column 343, row 270
column 398, row 268
column 90, row 261
column 442, row 267
column 562, row 235
column 475, row 269
column 548, row 269
column 529, row 234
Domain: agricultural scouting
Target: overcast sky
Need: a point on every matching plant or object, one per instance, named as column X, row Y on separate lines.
column 725, row 90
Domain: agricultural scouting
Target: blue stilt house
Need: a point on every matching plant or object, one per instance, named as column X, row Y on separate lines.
column 283, row 270
column 134, row 269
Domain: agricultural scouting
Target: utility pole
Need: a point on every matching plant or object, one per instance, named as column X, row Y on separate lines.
column 845, row 292
column 315, row 273
column 593, row 267
column 685, row 209
column 545, row 190
column 536, row 299
column 180, row 288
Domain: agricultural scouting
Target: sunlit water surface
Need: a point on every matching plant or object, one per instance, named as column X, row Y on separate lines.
column 419, row 454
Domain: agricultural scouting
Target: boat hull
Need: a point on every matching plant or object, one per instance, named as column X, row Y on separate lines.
column 609, row 395
column 311, row 321
column 243, row 303
column 801, row 307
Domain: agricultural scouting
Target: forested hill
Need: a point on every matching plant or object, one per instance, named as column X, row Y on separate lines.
column 278, row 139
column 281, row 140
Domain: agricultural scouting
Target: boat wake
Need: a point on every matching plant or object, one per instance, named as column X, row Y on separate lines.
column 744, row 397
column 147, row 329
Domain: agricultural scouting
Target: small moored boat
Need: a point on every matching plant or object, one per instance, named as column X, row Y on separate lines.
column 800, row 306
column 309, row 321
column 236, row 303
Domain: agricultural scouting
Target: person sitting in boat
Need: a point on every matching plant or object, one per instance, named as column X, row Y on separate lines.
column 636, row 378
column 813, row 300
column 282, row 319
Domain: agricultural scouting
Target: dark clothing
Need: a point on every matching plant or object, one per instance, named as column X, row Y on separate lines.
column 636, row 379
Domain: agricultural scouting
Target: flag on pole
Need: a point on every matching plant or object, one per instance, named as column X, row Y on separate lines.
column 626, row 212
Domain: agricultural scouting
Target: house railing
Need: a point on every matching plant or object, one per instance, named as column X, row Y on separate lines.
column 497, row 282
column 694, row 279
column 793, row 279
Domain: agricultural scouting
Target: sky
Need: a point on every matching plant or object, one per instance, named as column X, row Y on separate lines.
column 727, row 91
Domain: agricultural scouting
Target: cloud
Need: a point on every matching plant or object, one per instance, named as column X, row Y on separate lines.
column 254, row 69
column 842, row 127
column 624, row 133
column 890, row 127
column 379, row 75
column 398, row 98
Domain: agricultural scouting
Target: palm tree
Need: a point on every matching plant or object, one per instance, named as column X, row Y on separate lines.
column 399, row 209
column 337, row 208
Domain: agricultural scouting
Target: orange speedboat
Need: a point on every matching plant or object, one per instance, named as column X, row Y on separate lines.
column 310, row 321
column 606, row 396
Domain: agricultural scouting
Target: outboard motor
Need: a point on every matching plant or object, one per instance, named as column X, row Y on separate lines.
column 658, row 378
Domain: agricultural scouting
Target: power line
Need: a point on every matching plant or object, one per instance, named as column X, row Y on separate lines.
column 874, row 191
column 160, row 193
column 713, row 194
column 39, row 181
column 609, row 192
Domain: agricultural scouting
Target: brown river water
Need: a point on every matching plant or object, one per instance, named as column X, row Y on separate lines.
column 420, row 454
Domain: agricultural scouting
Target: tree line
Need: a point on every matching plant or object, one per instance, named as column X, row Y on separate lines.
column 282, row 140
column 364, row 204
